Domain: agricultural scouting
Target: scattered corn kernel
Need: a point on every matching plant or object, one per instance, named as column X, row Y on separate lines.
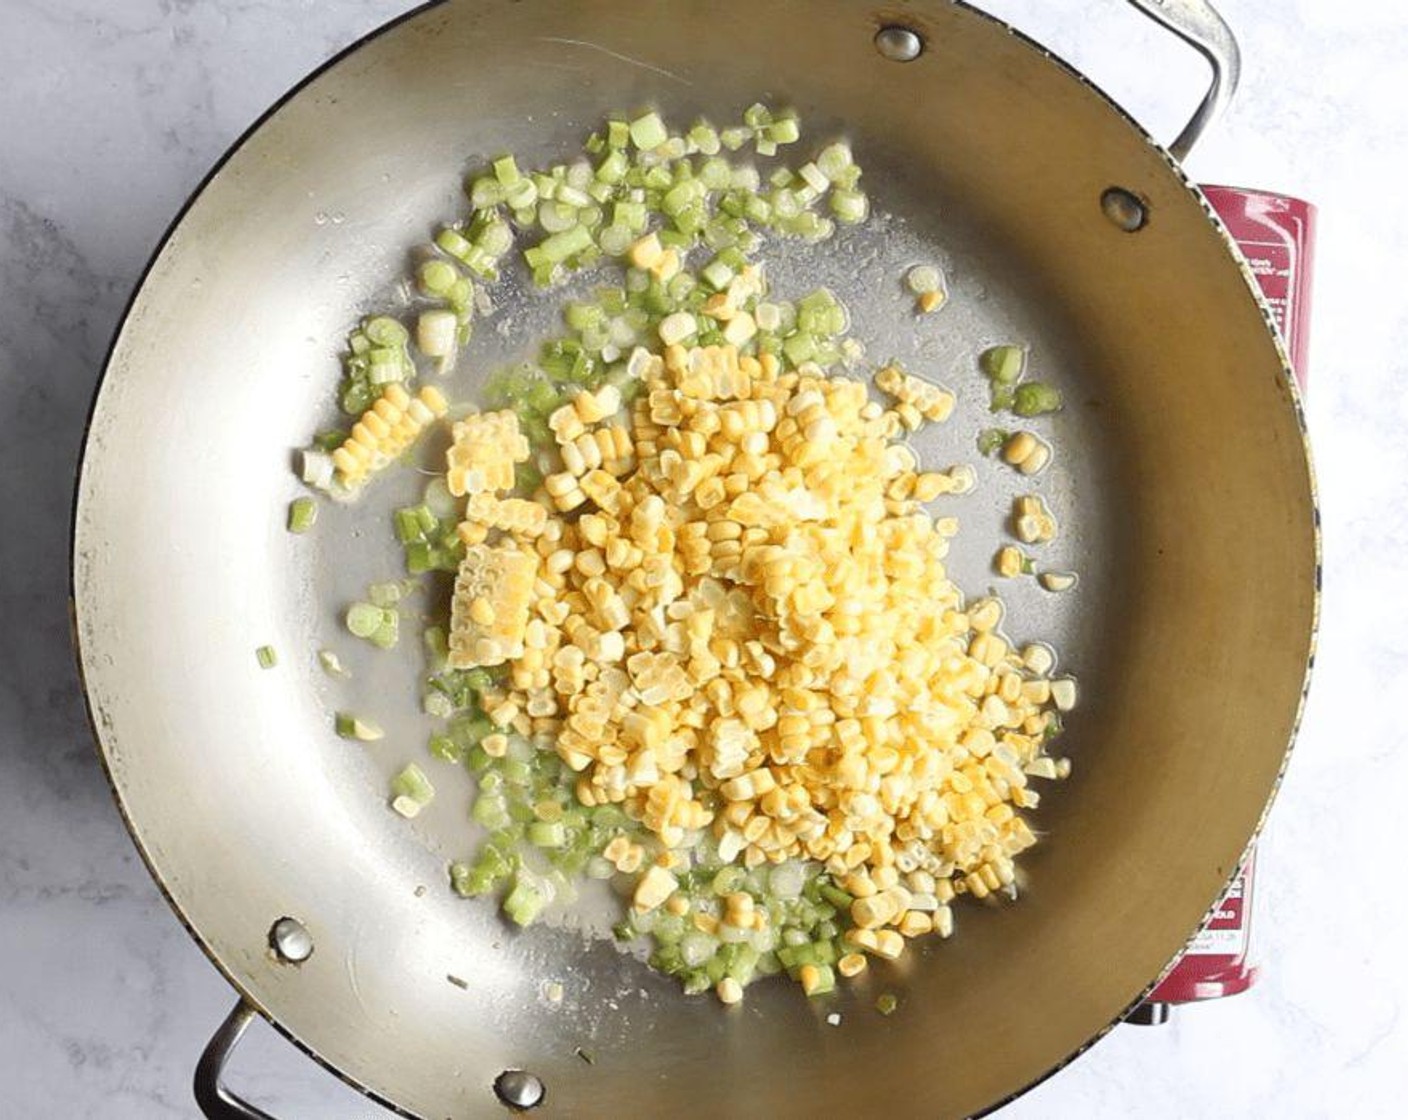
column 729, row 990
column 1010, row 562
column 928, row 400
column 1032, row 521
column 852, row 964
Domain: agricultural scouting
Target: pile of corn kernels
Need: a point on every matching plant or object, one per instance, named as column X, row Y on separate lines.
column 729, row 610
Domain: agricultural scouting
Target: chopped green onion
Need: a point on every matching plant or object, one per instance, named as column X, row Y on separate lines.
column 1003, row 364
column 436, row 333
column 485, row 193
column 785, row 131
column 384, row 594
column 302, row 512
column 559, row 247
column 735, row 138
column 453, row 242
column 411, row 782
column 363, row 619
column 923, row 278
column 436, row 277
column 834, row 160
column 1035, row 398
column 331, row 663
column 506, row 171
column 849, row 206
column 385, row 331
column 266, row 656
column 990, row 440
column 354, row 727
column 886, row 1003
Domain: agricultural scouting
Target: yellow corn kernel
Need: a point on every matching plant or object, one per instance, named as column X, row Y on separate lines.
column 385, row 431
column 852, row 964
column 503, row 578
column 510, row 515
column 485, row 450
column 655, row 886
column 809, row 976
column 889, row 944
column 1010, row 562
column 729, row 990
column 646, row 252
column 930, row 301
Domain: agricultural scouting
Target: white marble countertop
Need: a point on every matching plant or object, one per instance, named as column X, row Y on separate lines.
column 112, row 110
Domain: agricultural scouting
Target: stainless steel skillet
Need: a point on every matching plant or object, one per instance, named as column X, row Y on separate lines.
column 1183, row 486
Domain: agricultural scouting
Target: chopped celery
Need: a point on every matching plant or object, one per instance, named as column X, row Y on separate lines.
column 547, row 834
column 705, row 138
column 506, row 171
column 648, row 131
column 302, row 513
column 491, row 812
column 527, row 898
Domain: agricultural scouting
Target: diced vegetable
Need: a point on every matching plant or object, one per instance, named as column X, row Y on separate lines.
column 354, row 727
column 302, row 513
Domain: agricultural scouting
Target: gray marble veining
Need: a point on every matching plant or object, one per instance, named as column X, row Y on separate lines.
column 112, row 110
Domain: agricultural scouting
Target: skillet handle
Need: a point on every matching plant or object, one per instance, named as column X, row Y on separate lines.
column 214, row 1100
column 1197, row 23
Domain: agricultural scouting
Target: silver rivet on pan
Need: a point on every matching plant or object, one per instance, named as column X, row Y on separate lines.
column 290, row 939
column 899, row 44
column 518, row 1088
column 1125, row 209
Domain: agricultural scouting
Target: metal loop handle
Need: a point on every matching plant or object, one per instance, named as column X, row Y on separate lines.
column 1197, row 23
column 214, row 1100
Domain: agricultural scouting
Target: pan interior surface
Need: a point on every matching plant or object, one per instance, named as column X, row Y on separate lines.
column 1181, row 482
